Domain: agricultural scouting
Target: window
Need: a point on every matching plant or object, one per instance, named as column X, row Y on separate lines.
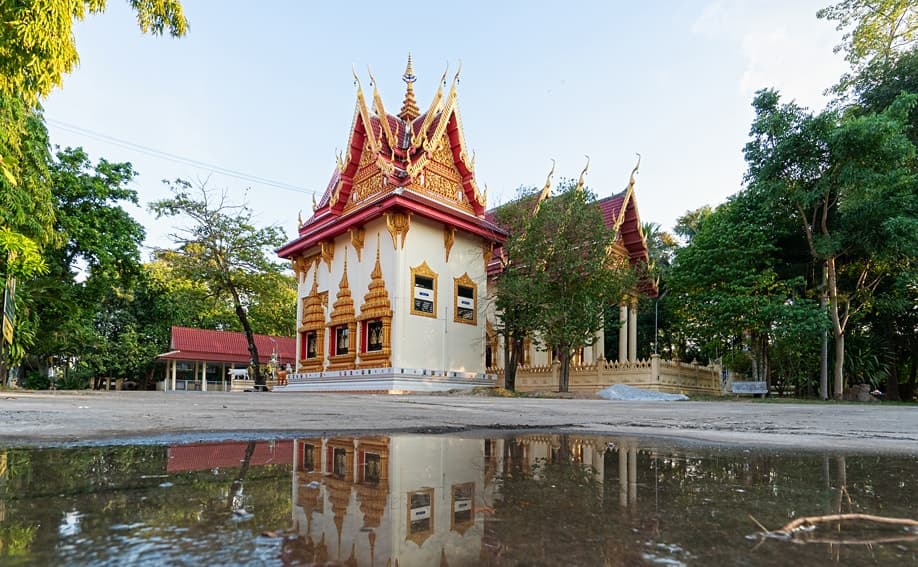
column 466, row 304
column 309, row 457
column 372, row 468
column 339, row 464
column 423, row 294
column 342, row 340
column 374, row 335
column 311, row 345
column 424, row 291
column 420, row 515
column 463, row 510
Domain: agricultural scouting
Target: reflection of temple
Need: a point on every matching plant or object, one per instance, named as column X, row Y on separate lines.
column 400, row 500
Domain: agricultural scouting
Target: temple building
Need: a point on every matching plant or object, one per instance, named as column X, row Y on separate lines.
column 392, row 265
column 397, row 264
column 620, row 214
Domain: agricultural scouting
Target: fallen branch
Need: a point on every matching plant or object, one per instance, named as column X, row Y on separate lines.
column 811, row 520
column 801, row 530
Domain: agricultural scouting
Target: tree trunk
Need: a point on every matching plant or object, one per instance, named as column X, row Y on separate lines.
column 824, row 354
column 511, row 359
column 838, row 329
column 564, row 354
column 235, row 491
column 249, row 337
column 892, row 381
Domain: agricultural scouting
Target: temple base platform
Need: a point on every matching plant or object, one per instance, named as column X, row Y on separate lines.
column 385, row 381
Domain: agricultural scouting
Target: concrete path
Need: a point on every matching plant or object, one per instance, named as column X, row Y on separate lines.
column 51, row 418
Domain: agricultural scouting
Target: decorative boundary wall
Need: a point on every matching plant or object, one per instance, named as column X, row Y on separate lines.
column 655, row 374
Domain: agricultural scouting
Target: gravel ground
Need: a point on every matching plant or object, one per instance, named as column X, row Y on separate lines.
column 54, row 418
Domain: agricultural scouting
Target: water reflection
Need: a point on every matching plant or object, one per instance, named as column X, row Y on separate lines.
column 433, row 500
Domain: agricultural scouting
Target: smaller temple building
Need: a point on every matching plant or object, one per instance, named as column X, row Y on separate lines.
column 201, row 359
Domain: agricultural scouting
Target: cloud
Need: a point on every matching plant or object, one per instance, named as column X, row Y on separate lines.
column 782, row 45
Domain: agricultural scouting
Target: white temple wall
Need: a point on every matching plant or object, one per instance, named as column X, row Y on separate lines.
column 439, row 342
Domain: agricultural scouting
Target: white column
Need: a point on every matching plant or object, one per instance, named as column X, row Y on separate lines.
column 204, row 376
column 622, row 476
column 623, row 332
column 632, row 476
column 599, row 343
column 632, row 331
column 174, row 364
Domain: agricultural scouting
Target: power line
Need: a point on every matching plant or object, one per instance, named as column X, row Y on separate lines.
column 177, row 158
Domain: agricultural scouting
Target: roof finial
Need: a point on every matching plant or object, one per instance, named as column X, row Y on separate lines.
column 583, row 173
column 546, row 190
column 410, row 109
column 634, row 171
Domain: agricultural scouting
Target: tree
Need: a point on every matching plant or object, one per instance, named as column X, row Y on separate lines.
column 687, row 225
column 848, row 180
column 37, row 47
column 559, row 275
column 223, row 249
column 874, row 30
column 96, row 255
column 734, row 295
column 26, row 206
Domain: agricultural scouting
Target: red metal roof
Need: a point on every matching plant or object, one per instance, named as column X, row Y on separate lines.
column 205, row 456
column 226, row 346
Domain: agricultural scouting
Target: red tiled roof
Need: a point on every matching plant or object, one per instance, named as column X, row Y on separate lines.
column 205, row 456
column 225, row 346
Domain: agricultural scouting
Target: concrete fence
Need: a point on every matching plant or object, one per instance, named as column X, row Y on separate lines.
column 654, row 374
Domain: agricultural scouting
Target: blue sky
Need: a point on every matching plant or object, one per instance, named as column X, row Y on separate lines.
column 266, row 89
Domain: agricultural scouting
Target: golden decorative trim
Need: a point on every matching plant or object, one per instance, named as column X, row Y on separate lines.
column 327, row 252
column 460, row 527
column 487, row 250
column 420, row 137
column 419, row 536
column 398, row 223
column 343, row 315
column 313, row 320
column 424, row 270
column 357, row 236
column 449, row 238
column 546, row 189
column 381, row 113
column 465, row 281
column 376, row 306
column 580, row 181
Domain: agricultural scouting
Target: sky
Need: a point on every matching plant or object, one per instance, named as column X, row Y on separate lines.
column 265, row 92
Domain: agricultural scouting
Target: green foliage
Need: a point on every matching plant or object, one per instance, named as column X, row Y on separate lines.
column 223, row 250
column 37, row 46
column 26, row 207
column 559, row 275
column 848, row 180
column 873, row 29
column 732, row 289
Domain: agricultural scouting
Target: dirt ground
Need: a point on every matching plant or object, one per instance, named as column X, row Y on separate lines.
column 54, row 418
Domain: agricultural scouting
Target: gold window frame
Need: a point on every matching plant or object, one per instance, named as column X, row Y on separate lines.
column 465, row 281
column 420, row 536
column 424, row 270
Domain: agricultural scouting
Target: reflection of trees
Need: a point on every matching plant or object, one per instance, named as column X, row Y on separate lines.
column 552, row 513
column 686, row 504
column 127, row 486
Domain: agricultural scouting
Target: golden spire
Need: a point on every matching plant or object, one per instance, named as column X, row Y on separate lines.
column 410, row 109
column 582, row 173
column 376, row 302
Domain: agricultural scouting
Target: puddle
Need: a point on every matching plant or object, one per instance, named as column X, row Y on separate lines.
column 532, row 499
